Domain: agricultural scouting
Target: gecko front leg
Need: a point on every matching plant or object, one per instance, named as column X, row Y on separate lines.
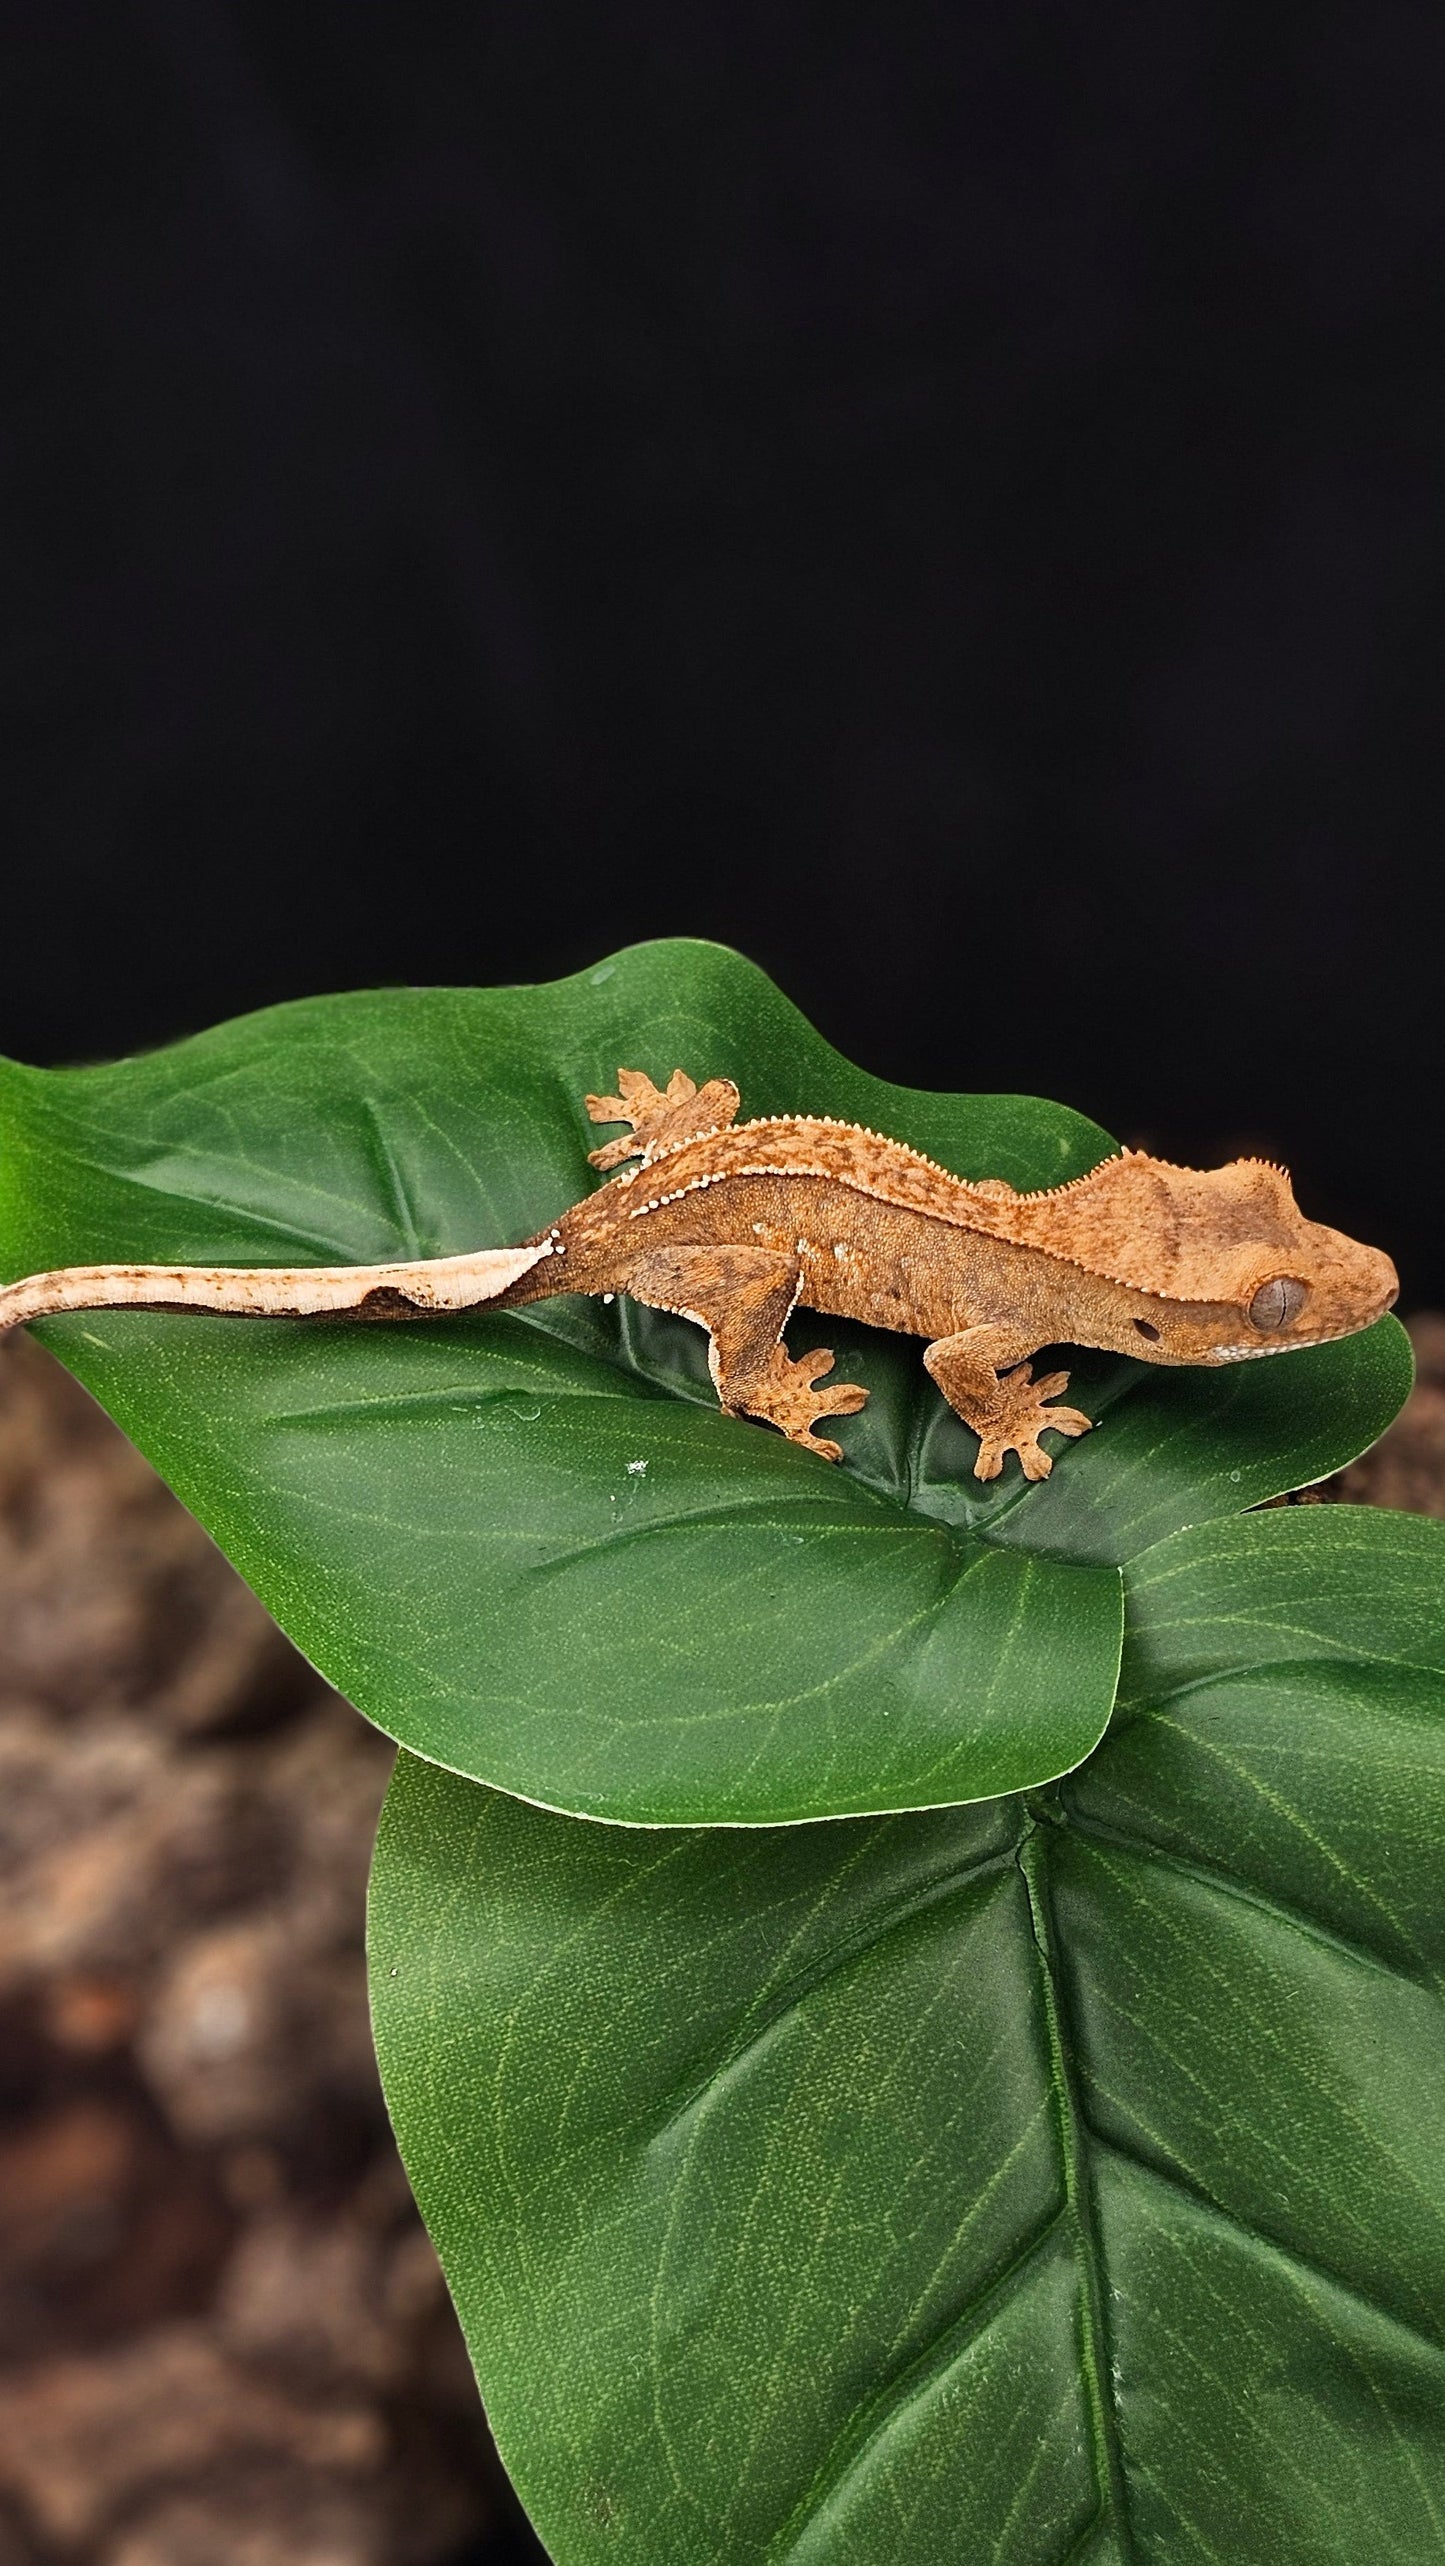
column 1007, row 1410
column 744, row 1297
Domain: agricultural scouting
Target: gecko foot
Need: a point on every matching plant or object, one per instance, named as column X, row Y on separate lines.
column 1019, row 1417
column 784, row 1393
column 660, row 1116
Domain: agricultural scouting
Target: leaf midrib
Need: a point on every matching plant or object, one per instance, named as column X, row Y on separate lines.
column 850, row 2446
column 1074, row 2146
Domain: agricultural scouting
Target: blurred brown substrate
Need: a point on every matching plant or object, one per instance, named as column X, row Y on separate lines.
column 1407, row 1466
column 224, row 2340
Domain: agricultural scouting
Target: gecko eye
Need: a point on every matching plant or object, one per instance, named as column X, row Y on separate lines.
column 1276, row 1303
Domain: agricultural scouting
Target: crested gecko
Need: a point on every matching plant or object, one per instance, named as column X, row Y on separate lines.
column 733, row 1225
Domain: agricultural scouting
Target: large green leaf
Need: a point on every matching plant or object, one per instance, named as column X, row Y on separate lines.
column 1052, row 2180
column 529, row 1546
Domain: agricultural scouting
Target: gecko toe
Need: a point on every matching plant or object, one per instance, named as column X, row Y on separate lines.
column 844, row 1399
column 1068, row 1421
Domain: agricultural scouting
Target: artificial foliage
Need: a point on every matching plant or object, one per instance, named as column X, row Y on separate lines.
column 1033, row 2156
column 1053, row 2179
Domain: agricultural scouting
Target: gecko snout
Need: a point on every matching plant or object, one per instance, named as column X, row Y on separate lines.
column 1383, row 1281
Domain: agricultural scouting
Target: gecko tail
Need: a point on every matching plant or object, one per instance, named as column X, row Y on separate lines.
column 424, row 1288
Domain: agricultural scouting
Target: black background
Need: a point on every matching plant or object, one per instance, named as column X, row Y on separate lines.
column 948, row 499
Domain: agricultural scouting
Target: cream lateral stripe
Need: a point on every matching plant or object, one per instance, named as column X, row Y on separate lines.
column 438, row 1283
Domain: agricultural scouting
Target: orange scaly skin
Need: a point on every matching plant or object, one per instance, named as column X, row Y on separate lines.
column 734, row 1225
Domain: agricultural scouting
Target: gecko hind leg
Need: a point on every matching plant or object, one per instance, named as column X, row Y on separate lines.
column 660, row 1117
column 1008, row 1410
column 744, row 1297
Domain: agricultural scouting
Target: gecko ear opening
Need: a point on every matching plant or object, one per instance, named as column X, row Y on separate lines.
column 1276, row 1303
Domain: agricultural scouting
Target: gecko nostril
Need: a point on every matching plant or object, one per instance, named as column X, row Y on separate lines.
column 1146, row 1329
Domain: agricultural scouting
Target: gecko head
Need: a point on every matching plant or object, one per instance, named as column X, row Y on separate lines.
column 1219, row 1263
column 1243, row 1273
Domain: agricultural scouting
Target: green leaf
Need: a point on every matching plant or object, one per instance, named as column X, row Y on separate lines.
column 1057, row 2179
column 529, row 1547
